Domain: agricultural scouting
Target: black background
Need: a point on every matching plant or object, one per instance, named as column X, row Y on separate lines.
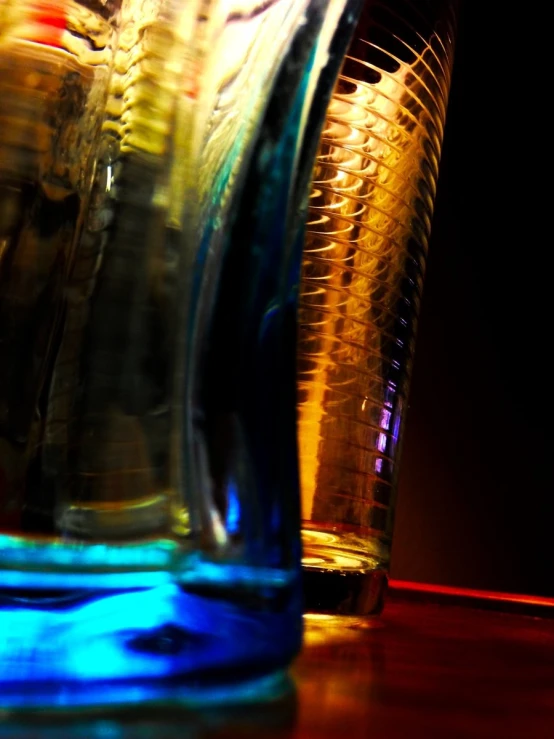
column 475, row 505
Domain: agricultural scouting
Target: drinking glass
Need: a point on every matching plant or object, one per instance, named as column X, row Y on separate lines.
column 364, row 258
column 149, row 522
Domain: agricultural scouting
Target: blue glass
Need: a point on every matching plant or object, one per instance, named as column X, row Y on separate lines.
column 149, row 508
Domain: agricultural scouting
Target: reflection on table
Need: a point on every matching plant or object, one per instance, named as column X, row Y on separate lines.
column 437, row 663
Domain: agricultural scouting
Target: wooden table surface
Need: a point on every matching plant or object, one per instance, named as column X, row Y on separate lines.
column 428, row 669
column 435, row 664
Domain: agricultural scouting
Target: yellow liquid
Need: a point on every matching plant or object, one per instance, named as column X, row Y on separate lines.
column 54, row 74
column 364, row 259
column 123, row 133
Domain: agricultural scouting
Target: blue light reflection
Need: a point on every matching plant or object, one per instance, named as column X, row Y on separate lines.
column 75, row 651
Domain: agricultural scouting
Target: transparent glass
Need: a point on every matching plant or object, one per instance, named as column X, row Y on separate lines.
column 362, row 274
column 149, row 517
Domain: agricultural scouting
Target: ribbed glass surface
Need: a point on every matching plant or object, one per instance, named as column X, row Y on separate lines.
column 364, row 259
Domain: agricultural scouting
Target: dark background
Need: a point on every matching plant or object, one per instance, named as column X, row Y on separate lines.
column 475, row 506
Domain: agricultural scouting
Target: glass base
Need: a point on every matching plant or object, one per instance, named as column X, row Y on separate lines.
column 340, row 577
column 349, row 594
column 268, row 702
column 206, row 633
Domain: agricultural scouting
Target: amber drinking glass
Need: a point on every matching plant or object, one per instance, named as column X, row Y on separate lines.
column 364, row 259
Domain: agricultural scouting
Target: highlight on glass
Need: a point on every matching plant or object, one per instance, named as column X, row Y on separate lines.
column 150, row 151
column 364, row 259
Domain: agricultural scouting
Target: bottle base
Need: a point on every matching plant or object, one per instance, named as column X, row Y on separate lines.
column 205, row 633
column 345, row 593
column 339, row 577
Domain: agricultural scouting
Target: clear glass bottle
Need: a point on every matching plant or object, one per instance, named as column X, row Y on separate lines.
column 149, row 518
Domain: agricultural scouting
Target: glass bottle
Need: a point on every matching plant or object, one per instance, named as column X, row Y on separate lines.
column 153, row 170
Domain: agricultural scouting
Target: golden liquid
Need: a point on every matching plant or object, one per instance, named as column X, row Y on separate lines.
column 364, row 259
column 54, row 72
column 86, row 84
column 125, row 127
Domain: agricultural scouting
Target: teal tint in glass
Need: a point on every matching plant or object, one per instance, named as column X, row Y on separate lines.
column 154, row 160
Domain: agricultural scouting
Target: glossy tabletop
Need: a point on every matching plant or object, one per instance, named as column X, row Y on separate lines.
column 437, row 663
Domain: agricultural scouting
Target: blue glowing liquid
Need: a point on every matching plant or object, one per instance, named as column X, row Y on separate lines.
column 181, row 628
